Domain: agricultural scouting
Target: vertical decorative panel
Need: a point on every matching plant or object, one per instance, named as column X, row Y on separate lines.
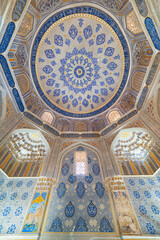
column 36, row 210
column 18, row 9
column 80, row 203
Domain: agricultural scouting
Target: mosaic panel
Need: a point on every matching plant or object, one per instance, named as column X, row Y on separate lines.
column 142, row 7
column 115, row 5
column 50, row 129
column 45, row 5
column 18, row 9
column 137, row 80
column 15, row 195
column 26, row 25
column 128, row 116
column 23, row 83
column 145, row 196
column 18, row 99
column 33, row 118
column 10, row 109
column 97, row 124
column 152, row 32
column 133, row 23
column 80, row 203
column 65, row 145
column 142, row 98
column 7, row 36
column 153, row 70
column 150, row 107
column 107, row 130
column 34, row 216
column 143, row 53
column 6, row 70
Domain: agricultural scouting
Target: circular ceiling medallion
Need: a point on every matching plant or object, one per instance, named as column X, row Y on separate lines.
column 80, row 62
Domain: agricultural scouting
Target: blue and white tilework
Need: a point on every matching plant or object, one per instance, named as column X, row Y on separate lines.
column 80, row 62
column 18, row 9
column 152, row 32
column 80, row 203
column 145, row 196
column 15, row 196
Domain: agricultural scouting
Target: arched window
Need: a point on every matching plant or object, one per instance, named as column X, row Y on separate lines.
column 47, row 117
column 114, row 116
column 135, row 152
column 24, row 153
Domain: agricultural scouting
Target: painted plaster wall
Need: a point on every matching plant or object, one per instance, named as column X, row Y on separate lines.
column 145, row 196
column 15, row 197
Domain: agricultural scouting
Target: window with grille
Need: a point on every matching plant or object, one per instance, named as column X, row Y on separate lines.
column 80, row 163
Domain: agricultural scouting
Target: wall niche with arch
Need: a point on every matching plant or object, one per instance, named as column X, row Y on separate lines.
column 136, row 152
column 82, row 195
column 24, row 153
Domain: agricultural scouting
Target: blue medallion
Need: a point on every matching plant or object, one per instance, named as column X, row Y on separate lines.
column 105, row 225
column 89, row 178
column 72, row 178
column 91, row 209
column 80, row 189
column 65, row 169
column 81, row 225
column 100, row 189
column 79, row 71
column 69, row 210
column 56, row 226
column 96, row 169
column 61, row 190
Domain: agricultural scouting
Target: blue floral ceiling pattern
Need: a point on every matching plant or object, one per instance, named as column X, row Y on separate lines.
column 80, row 62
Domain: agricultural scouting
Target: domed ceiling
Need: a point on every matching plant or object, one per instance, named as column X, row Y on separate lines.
column 80, row 62
column 80, row 66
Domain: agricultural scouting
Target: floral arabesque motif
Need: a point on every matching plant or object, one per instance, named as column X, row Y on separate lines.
column 18, row 211
column 61, row 190
column 155, row 209
column 142, row 209
column 105, row 225
column 80, row 189
column 81, row 67
column 24, row 196
column 11, row 229
column 13, row 196
column 6, row 211
column 56, row 226
column 150, row 228
column 81, row 225
column 79, row 70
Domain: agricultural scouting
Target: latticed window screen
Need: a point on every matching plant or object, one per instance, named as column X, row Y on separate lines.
column 80, row 163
